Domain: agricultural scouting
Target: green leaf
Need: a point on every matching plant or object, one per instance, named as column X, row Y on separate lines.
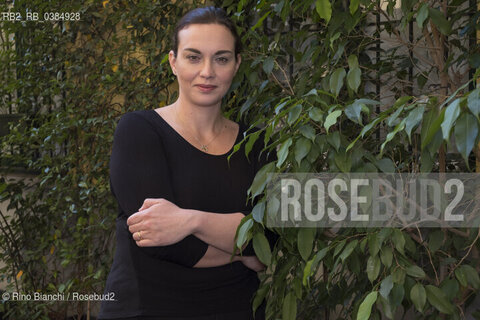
column 336, row 80
column 289, row 311
column 283, row 152
column 243, row 232
column 439, row 20
column 297, row 287
column 348, row 250
column 354, row 6
column 311, row 265
column 294, row 113
column 307, row 272
column 451, row 288
column 339, row 247
column 353, row 112
column 352, row 61
column 260, row 21
column 343, row 161
column 399, row 127
column 473, row 102
column 398, row 240
column 280, row 106
column 369, row 126
column 261, row 179
column 262, row 248
column 435, row 240
column 386, row 256
column 332, row 119
column 334, row 140
column 258, row 211
column 422, row 15
column 373, row 268
column 466, row 131
column 401, row 101
column 268, row 65
column 373, row 244
column 392, row 120
column 415, row 271
column 413, row 119
column 365, row 308
column 474, row 60
column 386, row 286
column 399, row 276
column 385, row 165
column 461, row 277
column 305, row 239
column 431, row 124
column 251, row 141
column 438, row 299
column 308, row 132
column 451, row 114
column 472, row 275
column 354, row 73
column 260, row 296
column 315, row 114
column 324, row 9
column 418, row 296
column 397, row 295
column 302, row 148
column 165, row 58
column 354, row 78
column 386, row 307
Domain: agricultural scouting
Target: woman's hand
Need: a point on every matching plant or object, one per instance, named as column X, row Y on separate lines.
column 253, row 263
column 159, row 222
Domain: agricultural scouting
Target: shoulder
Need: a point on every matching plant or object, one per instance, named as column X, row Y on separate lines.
column 134, row 118
column 135, row 123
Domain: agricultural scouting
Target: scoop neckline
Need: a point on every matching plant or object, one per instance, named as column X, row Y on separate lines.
column 191, row 145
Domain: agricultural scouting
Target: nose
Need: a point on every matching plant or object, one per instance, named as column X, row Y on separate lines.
column 207, row 70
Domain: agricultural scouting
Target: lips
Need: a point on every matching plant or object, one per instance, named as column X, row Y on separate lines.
column 205, row 87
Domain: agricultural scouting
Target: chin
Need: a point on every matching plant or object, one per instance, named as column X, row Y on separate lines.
column 207, row 101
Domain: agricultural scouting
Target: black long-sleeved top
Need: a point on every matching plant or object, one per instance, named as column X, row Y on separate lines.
column 151, row 160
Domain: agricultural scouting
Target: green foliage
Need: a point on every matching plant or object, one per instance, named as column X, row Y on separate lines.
column 309, row 84
column 306, row 77
column 71, row 81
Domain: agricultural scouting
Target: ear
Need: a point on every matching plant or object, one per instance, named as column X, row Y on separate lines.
column 172, row 60
column 237, row 63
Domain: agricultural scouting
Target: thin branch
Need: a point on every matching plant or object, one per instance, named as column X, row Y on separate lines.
column 466, row 255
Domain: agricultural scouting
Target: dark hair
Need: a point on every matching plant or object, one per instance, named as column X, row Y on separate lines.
column 207, row 15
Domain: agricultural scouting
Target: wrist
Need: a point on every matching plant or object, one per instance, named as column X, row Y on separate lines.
column 194, row 219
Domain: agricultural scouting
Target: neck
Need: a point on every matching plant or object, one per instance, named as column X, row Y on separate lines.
column 204, row 122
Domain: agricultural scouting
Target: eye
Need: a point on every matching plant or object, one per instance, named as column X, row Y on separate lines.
column 193, row 58
column 222, row 60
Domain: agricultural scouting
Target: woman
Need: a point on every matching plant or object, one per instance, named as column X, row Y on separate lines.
column 180, row 200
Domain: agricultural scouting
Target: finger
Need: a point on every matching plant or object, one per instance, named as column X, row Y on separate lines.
column 149, row 202
column 140, row 235
column 135, row 218
column 134, row 228
column 135, row 236
column 144, row 243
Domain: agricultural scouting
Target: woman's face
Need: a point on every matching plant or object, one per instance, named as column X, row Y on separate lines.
column 205, row 64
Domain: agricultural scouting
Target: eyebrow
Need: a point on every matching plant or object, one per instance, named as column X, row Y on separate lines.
column 216, row 53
